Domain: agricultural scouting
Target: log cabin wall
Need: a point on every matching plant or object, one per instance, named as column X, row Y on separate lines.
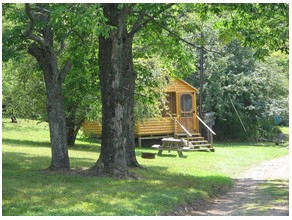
column 164, row 125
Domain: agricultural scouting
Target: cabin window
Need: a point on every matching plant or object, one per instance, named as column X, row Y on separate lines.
column 186, row 102
column 186, row 105
column 171, row 104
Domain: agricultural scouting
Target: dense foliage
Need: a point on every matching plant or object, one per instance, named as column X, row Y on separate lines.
column 23, row 89
column 258, row 89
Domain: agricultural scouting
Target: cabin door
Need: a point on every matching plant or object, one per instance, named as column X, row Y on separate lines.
column 186, row 108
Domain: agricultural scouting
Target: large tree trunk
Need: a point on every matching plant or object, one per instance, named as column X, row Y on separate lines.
column 55, row 107
column 57, row 124
column 129, row 121
column 54, row 78
column 117, row 84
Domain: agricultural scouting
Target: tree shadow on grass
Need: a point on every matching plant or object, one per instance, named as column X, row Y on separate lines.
column 168, row 155
column 86, row 147
column 157, row 192
column 25, row 161
column 18, row 162
column 247, row 144
column 90, row 140
column 21, row 143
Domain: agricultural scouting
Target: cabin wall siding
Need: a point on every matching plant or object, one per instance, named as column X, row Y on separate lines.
column 147, row 127
column 92, row 128
column 155, row 127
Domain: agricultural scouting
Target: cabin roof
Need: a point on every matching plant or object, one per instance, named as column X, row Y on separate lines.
column 179, row 85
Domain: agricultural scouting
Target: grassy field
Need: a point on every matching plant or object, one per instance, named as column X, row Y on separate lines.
column 167, row 182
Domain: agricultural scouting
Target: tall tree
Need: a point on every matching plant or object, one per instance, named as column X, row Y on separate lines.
column 117, row 78
column 41, row 33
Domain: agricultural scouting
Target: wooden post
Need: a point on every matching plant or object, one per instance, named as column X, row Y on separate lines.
column 201, row 79
column 140, row 142
column 174, row 127
column 201, row 76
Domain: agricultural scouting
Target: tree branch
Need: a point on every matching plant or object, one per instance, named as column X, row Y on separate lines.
column 28, row 32
column 135, row 92
column 78, row 35
column 44, row 10
column 138, row 25
column 172, row 32
column 178, row 37
column 63, row 43
column 35, row 51
column 65, row 70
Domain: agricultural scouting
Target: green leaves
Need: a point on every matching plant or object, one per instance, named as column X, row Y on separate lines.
column 262, row 26
column 150, row 83
column 23, row 89
column 259, row 90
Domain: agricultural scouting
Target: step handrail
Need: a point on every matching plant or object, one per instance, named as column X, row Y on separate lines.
column 184, row 129
column 206, row 125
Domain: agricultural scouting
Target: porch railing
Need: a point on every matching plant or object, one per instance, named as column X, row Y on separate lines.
column 182, row 127
column 207, row 128
column 206, row 125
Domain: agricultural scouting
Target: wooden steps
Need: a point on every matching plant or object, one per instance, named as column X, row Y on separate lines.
column 194, row 134
column 198, row 143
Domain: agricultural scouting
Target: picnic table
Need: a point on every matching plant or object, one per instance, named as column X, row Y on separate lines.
column 170, row 144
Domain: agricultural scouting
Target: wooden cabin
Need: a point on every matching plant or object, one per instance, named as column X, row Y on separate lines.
column 181, row 98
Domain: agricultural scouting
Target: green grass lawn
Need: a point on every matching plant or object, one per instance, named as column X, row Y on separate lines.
column 167, row 182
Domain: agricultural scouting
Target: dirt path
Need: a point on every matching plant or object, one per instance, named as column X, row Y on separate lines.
column 256, row 193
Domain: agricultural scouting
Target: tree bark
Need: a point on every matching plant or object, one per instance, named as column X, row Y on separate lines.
column 71, row 135
column 72, row 129
column 129, row 120
column 57, row 124
column 117, row 88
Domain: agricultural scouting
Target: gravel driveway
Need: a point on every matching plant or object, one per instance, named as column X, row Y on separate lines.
column 249, row 196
